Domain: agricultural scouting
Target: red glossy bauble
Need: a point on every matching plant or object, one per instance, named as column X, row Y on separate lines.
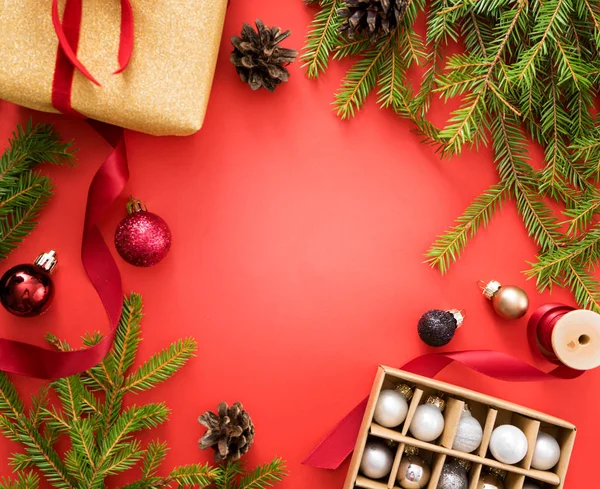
column 27, row 290
column 142, row 238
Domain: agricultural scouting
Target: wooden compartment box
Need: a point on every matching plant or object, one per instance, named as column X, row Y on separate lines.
column 489, row 411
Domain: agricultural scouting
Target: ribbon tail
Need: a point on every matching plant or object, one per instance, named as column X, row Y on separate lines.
column 64, row 42
column 127, row 36
column 340, row 442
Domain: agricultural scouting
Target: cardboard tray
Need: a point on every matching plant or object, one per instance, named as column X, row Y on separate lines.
column 490, row 411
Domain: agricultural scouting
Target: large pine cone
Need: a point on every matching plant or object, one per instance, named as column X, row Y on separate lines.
column 258, row 58
column 230, row 432
column 371, row 17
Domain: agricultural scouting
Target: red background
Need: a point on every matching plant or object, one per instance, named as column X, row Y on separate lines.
column 297, row 261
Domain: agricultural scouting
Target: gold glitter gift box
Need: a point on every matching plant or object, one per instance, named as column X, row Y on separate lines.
column 164, row 90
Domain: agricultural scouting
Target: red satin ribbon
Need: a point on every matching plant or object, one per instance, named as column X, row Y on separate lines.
column 72, row 21
column 340, row 442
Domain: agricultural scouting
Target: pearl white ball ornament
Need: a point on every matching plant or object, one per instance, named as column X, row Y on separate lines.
column 377, row 459
column 469, row 433
column 508, row 444
column 392, row 406
column 428, row 421
column 530, row 485
column 546, row 452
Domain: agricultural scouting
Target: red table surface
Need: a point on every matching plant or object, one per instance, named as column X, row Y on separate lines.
column 297, row 262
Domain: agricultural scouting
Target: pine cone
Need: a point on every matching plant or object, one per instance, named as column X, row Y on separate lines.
column 258, row 58
column 230, row 433
column 371, row 17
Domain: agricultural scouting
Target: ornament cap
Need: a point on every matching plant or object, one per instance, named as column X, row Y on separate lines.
column 490, row 288
column 466, row 408
column 436, row 401
column 497, row 473
column 459, row 316
column 47, row 261
column 411, row 450
column 135, row 205
column 465, row 464
column 405, row 390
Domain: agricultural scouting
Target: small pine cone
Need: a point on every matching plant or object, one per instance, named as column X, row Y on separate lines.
column 374, row 18
column 258, row 58
column 230, row 432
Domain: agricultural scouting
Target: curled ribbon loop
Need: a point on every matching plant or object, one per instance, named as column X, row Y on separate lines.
column 62, row 32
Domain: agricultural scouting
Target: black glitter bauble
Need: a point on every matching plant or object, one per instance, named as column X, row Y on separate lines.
column 453, row 476
column 436, row 328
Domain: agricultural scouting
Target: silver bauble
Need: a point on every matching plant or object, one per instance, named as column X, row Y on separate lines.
column 468, row 433
column 414, row 472
column 546, row 452
column 453, row 476
column 391, row 408
column 377, row 459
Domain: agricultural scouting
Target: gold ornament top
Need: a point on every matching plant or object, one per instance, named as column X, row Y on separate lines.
column 459, row 315
column 465, row 464
column 47, row 261
column 405, row 390
column 436, row 401
column 497, row 473
column 411, row 450
column 135, row 205
column 490, row 289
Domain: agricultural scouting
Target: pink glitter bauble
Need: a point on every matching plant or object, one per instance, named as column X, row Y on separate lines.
column 143, row 238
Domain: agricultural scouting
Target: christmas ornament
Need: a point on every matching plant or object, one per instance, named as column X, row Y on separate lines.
column 371, row 17
column 258, row 58
column 492, row 479
column 436, row 327
column 454, row 475
column 509, row 302
column 142, row 238
column 414, row 472
column 27, row 290
column 508, row 444
column 230, row 432
column 428, row 421
column 546, row 452
column 377, row 459
column 530, row 485
column 469, row 432
column 392, row 406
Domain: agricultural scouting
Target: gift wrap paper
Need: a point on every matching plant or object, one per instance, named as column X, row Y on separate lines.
column 163, row 91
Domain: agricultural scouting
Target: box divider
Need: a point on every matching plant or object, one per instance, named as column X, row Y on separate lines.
column 452, row 414
column 474, row 475
column 514, row 481
column 487, row 431
column 414, row 404
column 437, row 465
column 397, row 460
column 531, row 428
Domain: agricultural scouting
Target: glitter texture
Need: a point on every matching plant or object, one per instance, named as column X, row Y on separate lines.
column 143, row 239
column 436, row 328
column 166, row 87
column 453, row 476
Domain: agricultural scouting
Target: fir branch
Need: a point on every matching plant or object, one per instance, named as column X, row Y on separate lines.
column 161, row 366
column 449, row 246
column 155, row 455
column 322, row 38
column 264, row 476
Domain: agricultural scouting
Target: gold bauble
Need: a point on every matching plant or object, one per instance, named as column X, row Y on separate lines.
column 414, row 472
column 489, row 481
column 510, row 302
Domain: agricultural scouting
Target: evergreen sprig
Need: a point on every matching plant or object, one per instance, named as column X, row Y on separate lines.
column 102, row 432
column 529, row 70
column 23, row 190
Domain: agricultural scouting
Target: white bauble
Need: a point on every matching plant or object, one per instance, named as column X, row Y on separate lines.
column 377, row 460
column 530, row 485
column 546, row 452
column 428, row 423
column 508, row 444
column 391, row 408
column 469, row 434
